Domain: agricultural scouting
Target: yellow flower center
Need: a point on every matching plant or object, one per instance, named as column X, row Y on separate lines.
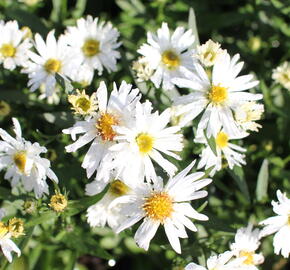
column 16, row 227
column 249, row 257
column 118, row 188
column 91, row 47
column 221, row 139
column 210, row 56
column 104, row 126
column 289, row 219
column 3, row 229
column 83, row 103
column 7, row 50
column 58, row 202
column 158, row 206
column 145, row 142
column 170, row 59
column 218, row 94
column 52, row 65
column 20, row 160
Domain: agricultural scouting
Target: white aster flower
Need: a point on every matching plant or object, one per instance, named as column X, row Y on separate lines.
column 13, row 46
column 164, row 205
column 245, row 245
column 281, row 75
column 218, row 96
column 101, row 213
column 280, row 225
column 168, row 55
column 144, row 139
column 6, row 244
column 22, row 161
column 246, row 115
column 209, row 53
column 115, row 111
column 83, row 75
column 94, row 43
column 224, row 149
column 53, row 57
column 221, row 262
column 142, row 69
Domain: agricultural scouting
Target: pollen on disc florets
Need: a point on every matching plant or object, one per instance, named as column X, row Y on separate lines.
column 20, row 160
column 218, row 94
column 52, row 65
column 91, row 47
column 105, row 125
column 118, row 188
column 222, row 139
column 7, row 50
column 82, row 103
column 58, row 202
column 170, row 59
column 158, row 206
column 145, row 142
column 249, row 257
column 16, row 227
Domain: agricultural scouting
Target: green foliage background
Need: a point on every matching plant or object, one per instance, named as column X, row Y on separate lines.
column 257, row 30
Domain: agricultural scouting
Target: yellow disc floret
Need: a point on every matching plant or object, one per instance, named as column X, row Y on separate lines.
column 20, row 160
column 158, row 206
column 16, row 227
column 58, row 202
column 3, row 229
column 118, row 188
column 52, row 65
column 82, row 103
column 221, row 139
column 218, row 94
column 170, row 59
column 145, row 142
column 7, row 50
column 91, row 47
column 104, row 126
column 249, row 257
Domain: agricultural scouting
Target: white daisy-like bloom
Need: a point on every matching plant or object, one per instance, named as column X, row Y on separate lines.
column 164, row 205
column 94, row 43
column 246, row 115
column 22, row 161
column 6, row 244
column 83, row 75
column 101, row 213
column 218, row 95
column 223, row 261
column 52, row 57
column 209, row 53
column 168, row 55
column 280, row 225
column 224, row 149
column 13, row 46
column 245, row 245
column 143, row 140
column 142, row 69
column 281, row 74
column 98, row 129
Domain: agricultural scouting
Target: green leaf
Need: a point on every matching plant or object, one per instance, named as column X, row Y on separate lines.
column 79, row 8
column 193, row 27
column 44, row 217
column 262, row 183
column 211, row 143
column 64, row 83
column 238, row 175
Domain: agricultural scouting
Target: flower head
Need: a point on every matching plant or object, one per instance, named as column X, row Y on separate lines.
column 281, row 75
column 164, row 205
column 167, row 55
column 58, row 202
column 22, row 161
column 279, row 224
